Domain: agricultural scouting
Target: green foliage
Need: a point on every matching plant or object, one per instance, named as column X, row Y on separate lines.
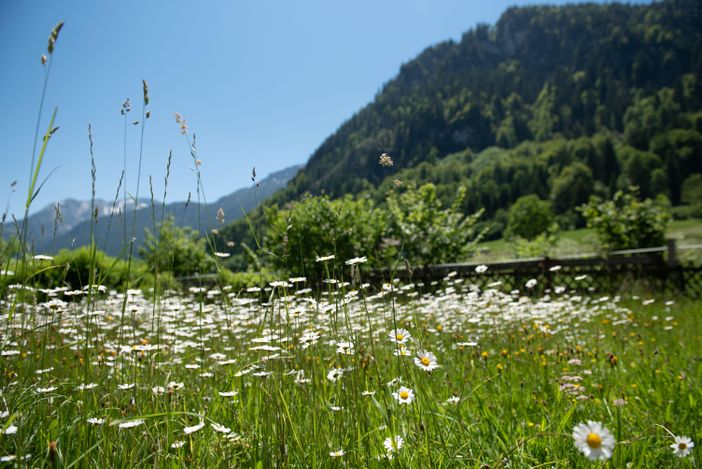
column 526, row 107
column 428, row 233
column 572, row 187
column 649, row 115
column 72, row 269
column 177, row 250
column 493, row 228
column 529, row 217
column 692, row 194
column 538, row 73
column 239, row 281
column 625, row 222
column 415, row 223
column 538, row 246
column 317, row 227
column 640, row 169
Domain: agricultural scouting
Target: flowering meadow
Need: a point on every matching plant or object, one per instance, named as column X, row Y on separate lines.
column 399, row 375
column 337, row 372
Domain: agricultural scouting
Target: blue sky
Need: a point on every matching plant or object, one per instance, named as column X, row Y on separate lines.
column 261, row 83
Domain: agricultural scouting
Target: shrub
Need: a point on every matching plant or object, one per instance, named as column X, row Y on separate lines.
column 72, row 268
column 318, row 226
column 529, row 216
column 539, row 246
column 177, row 250
column 625, row 222
column 430, row 234
column 243, row 280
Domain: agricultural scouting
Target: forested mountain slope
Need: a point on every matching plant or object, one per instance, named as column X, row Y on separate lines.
column 540, row 72
column 562, row 102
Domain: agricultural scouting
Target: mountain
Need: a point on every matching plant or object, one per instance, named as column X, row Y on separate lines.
column 59, row 218
column 540, row 72
column 49, row 233
column 563, row 102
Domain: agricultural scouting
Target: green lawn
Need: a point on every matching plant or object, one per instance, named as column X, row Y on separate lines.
column 573, row 242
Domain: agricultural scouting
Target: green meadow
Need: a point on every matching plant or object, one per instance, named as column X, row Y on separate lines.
column 353, row 377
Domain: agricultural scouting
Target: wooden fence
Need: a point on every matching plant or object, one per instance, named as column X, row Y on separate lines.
column 651, row 269
column 655, row 269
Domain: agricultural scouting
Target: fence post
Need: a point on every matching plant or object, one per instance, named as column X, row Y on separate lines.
column 674, row 270
column 672, row 253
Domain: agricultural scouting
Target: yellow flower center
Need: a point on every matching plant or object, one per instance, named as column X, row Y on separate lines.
column 425, row 361
column 399, row 337
column 594, row 440
column 404, row 395
column 682, row 446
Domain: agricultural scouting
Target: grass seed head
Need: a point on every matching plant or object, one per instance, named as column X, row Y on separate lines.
column 53, row 37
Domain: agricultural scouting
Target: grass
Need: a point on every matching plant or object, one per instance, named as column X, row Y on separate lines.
column 584, row 240
column 515, row 375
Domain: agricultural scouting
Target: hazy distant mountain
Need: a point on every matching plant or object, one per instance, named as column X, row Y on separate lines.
column 61, row 217
column 49, row 233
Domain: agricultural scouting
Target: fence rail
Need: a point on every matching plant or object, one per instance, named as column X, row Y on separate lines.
column 656, row 269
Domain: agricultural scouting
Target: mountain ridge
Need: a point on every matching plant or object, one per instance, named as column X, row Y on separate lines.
column 50, row 232
column 564, row 102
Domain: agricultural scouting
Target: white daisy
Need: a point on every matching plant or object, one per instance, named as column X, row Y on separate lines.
column 220, row 428
column 85, row 387
column 46, row 390
column 335, row 374
column 399, row 336
column 194, row 428
column 131, row 423
column 404, row 395
column 393, row 444
column 345, row 348
column 11, row 430
column 337, row 454
column 593, row 440
column 356, row 260
column 426, row 361
column 683, row 446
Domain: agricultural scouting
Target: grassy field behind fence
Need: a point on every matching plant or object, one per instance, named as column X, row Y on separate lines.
column 584, row 241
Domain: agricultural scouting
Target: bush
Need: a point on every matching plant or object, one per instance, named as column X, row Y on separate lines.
column 243, row 280
column 529, row 217
column 318, row 227
column 430, row 234
column 177, row 250
column 625, row 222
column 72, row 268
column 539, row 246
